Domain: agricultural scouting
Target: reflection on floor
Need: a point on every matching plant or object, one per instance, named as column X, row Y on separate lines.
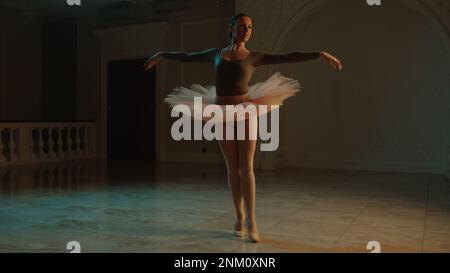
column 140, row 207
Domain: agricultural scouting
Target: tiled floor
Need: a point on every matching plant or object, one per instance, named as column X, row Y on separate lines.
column 124, row 207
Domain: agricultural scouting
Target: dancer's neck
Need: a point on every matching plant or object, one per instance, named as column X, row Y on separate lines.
column 236, row 47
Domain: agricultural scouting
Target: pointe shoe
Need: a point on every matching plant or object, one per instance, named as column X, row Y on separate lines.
column 254, row 237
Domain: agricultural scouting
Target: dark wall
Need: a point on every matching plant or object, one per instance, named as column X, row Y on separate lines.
column 59, row 55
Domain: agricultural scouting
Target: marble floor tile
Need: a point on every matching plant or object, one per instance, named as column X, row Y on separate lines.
column 391, row 240
column 173, row 207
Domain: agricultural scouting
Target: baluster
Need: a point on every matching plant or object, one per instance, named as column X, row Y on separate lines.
column 93, row 140
column 77, row 141
column 69, row 142
column 82, row 135
column 2, row 147
column 59, row 142
column 47, row 143
column 87, row 148
column 13, row 144
column 51, row 144
column 40, row 143
column 65, row 140
column 90, row 136
column 32, row 146
column 85, row 140
column 7, row 150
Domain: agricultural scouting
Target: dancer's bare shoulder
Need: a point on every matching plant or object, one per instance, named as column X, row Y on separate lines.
column 233, row 55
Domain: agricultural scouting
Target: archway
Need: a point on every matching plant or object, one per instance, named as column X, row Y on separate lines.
column 399, row 103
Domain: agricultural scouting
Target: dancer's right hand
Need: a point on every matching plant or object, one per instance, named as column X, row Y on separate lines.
column 152, row 61
column 333, row 61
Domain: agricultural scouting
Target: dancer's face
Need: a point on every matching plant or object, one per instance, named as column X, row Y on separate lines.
column 242, row 30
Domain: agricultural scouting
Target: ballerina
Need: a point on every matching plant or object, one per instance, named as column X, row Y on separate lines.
column 234, row 66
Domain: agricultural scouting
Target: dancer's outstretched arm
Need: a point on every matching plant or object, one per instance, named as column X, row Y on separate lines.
column 295, row 57
column 203, row 56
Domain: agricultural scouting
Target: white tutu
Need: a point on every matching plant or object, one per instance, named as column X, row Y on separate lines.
column 271, row 93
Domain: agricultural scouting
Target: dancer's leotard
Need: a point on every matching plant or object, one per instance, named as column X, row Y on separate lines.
column 233, row 76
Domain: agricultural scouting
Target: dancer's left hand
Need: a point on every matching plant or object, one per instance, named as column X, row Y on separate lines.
column 333, row 61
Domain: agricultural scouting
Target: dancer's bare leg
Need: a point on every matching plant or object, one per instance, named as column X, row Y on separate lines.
column 229, row 150
column 246, row 155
